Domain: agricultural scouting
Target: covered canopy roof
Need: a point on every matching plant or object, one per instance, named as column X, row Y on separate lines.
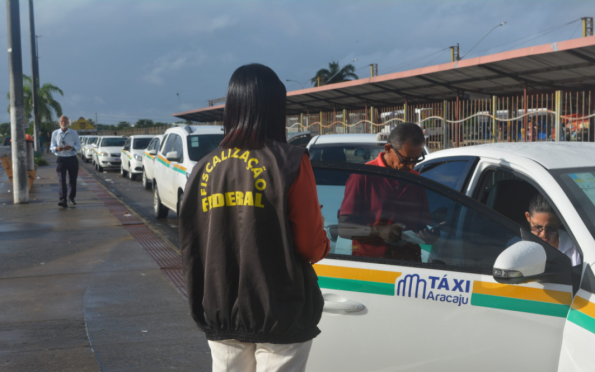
column 565, row 65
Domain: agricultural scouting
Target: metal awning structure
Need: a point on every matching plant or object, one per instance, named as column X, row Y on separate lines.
column 566, row 65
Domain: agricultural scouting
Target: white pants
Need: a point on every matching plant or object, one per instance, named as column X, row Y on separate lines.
column 236, row 356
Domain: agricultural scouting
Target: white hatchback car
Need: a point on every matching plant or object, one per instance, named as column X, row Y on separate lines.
column 87, row 148
column 349, row 148
column 106, row 152
column 132, row 155
column 149, row 161
column 485, row 294
column 181, row 147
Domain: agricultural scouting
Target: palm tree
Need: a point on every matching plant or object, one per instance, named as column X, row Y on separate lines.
column 334, row 74
column 46, row 104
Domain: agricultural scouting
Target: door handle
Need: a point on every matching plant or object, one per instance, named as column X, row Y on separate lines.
column 346, row 305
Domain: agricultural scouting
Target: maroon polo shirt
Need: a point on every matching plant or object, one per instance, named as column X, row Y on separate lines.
column 376, row 200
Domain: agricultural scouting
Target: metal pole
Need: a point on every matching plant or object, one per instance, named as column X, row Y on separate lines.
column 584, row 27
column 557, row 110
column 444, row 124
column 525, row 107
column 452, row 54
column 17, row 109
column 34, row 77
column 371, row 70
column 494, row 114
column 457, row 125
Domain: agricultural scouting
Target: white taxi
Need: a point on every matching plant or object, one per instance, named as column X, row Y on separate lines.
column 132, row 155
column 484, row 293
column 149, row 161
column 182, row 146
column 87, row 148
column 106, row 152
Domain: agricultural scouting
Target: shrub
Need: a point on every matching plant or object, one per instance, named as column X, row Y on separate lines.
column 41, row 161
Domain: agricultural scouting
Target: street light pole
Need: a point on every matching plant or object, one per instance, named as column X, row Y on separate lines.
column 17, row 109
column 295, row 81
column 34, row 76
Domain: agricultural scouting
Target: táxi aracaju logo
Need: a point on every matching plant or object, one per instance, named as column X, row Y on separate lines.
column 434, row 288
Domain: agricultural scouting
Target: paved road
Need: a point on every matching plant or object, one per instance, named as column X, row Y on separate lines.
column 136, row 197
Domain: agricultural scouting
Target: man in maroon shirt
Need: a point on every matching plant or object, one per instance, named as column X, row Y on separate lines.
column 377, row 210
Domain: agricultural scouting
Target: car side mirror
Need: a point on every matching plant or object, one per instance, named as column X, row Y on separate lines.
column 522, row 262
column 172, row 156
column 153, row 152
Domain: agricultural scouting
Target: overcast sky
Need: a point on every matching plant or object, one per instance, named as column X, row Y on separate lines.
column 127, row 59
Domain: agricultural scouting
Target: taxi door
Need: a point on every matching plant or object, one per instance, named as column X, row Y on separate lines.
column 163, row 172
column 443, row 312
column 579, row 333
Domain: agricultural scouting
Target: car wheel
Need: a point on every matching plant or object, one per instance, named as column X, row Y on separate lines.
column 160, row 210
column 180, row 198
column 131, row 176
column 99, row 167
column 122, row 171
column 146, row 183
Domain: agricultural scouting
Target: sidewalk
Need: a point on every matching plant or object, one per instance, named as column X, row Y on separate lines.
column 89, row 288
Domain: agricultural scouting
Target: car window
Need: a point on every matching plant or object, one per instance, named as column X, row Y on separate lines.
column 301, row 141
column 113, row 142
column 141, row 143
column 579, row 185
column 358, row 153
column 364, row 213
column 201, row 145
column 452, row 172
column 91, row 141
column 127, row 145
column 168, row 145
column 179, row 147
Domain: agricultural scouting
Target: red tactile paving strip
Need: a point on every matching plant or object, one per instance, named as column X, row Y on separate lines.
column 170, row 263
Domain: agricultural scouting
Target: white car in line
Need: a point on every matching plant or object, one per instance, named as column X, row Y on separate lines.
column 487, row 295
column 82, row 140
column 182, row 146
column 132, row 155
column 350, row 148
column 149, row 161
column 106, row 152
column 87, row 148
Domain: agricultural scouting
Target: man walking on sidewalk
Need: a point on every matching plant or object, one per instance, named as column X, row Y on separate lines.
column 65, row 144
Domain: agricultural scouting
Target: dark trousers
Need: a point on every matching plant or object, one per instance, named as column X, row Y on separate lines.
column 68, row 164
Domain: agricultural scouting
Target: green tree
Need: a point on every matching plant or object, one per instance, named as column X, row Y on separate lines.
column 144, row 123
column 123, row 125
column 46, row 104
column 334, row 74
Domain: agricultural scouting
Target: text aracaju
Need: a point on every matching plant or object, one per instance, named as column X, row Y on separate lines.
column 233, row 198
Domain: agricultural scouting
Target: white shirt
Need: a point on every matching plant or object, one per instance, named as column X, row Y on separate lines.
column 567, row 247
column 68, row 138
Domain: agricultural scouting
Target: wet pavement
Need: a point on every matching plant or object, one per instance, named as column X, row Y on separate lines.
column 79, row 291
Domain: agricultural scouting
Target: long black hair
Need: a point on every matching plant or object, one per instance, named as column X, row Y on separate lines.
column 254, row 108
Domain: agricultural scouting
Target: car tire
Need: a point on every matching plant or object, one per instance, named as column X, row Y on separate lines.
column 122, row 171
column 131, row 176
column 146, row 183
column 159, row 209
column 99, row 168
column 180, row 198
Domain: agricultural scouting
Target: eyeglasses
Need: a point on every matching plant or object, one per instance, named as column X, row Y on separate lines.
column 406, row 160
column 549, row 230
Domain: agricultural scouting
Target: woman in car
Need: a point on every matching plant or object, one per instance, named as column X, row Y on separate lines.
column 250, row 229
column 545, row 224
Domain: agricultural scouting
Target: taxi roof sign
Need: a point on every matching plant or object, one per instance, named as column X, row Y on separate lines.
column 82, row 124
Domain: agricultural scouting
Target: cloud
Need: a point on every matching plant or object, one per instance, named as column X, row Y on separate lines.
column 171, row 63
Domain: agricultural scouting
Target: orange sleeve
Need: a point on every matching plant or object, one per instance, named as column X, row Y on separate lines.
column 310, row 239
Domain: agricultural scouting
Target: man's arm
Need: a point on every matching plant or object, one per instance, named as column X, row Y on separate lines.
column 54, row 144
column 77, row 142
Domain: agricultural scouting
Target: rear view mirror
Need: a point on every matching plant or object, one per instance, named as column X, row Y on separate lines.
column 172, row 156
column 522, row 262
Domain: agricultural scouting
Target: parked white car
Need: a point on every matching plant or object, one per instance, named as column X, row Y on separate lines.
column 87, row 148
column 180, row 149
column 106, row 152
column 82, row 140
column 149, row 161
column 132, row 155
column 487, row 294
column 350, row 148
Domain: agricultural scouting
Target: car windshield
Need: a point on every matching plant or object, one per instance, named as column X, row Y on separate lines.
column 579, row 185
column 113, row 142
column 358, row 153
column 201, row 145
column 141, row 143
column 91, row 141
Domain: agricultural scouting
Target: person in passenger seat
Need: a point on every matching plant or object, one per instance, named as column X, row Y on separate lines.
column 545, row 224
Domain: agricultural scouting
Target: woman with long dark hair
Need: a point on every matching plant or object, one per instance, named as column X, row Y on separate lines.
column 250, row 229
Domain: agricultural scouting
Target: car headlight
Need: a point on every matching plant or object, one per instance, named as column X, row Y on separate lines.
column 104, row 154
column 138, row 157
